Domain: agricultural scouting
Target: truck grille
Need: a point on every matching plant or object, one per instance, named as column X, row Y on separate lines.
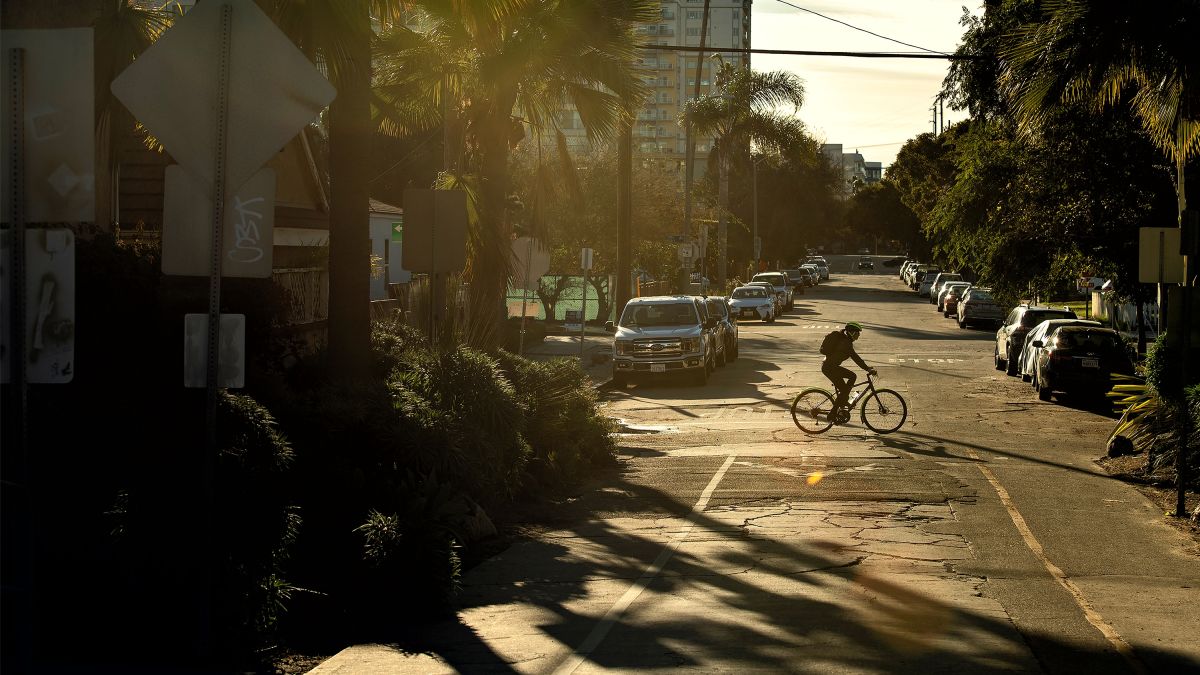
column 649, row 347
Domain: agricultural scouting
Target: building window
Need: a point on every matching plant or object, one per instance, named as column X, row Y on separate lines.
column 695, row 14
column 693, row 32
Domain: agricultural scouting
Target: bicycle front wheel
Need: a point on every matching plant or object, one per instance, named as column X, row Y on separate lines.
column 812, row 410
column 884, row 411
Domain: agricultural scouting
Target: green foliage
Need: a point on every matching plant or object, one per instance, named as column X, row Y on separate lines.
column 567, row 434
column 1154, row 422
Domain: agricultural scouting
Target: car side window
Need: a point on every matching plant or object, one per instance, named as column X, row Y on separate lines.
column 1012, row 318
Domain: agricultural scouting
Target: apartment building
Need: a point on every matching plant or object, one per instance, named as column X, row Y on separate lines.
column 671, row 76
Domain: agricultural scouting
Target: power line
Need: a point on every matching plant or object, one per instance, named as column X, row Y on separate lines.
column 827, row 18
column 800, row 52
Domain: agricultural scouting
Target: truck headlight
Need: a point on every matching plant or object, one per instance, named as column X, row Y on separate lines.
column 624, row 347
column 689, row 345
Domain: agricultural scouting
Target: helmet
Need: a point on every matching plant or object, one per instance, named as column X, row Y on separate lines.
column 854, row 326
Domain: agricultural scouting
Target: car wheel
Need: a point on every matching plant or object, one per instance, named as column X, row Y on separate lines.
column 1010, row 365
column 770, row 318
column 962, row 324
column 996, row 359
column 721, row 357
column 700, row 375
column 734, row 354
column 1025, row 377
column 619, row 380
column 1042, row 392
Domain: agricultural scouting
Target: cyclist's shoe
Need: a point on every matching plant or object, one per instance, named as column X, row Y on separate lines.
column 841, row 414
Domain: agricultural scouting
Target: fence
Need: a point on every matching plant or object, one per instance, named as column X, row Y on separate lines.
column 308, row 293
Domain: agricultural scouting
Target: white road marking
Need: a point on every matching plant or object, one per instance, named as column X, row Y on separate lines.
column 1093, row 617
column 933, row 360
column 615, row 613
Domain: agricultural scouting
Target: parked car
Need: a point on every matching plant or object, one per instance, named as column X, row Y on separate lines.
column 939, row 280
column 775, row 297
column 714, row 331
column 978, row 306
column 909, row 264
column 941, row 295
column 1080, row 359
column 822, row 265
column 951, row 294
column 865, row 264
column 1029, row 353
column 752, row 302
column 780, row 282
column 726, row 330
column 662, row 335
column 1010, row 338
column 925, row 280
column 813, row 271
column 919, row 275
column 799, row 280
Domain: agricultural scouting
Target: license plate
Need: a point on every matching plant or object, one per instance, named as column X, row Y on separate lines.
column 1091, row 363
column 658, row 367
column 747, row 312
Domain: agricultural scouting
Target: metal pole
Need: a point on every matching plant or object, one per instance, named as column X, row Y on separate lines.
column 524, row 295
column 212, row 375
column 754, row 238
column 690, row 143
column 583, row 316
column 20, row 479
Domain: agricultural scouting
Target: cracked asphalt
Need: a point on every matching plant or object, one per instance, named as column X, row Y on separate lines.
column 980, row 537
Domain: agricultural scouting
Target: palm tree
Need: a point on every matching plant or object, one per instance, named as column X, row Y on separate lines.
column 491, row 71
column 742, row 111
column 1106, row 54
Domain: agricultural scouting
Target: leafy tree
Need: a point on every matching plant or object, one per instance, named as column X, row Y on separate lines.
column 741, row 111
column 876, row 211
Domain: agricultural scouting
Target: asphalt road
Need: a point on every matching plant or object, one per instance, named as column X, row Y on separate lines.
column 980, row 537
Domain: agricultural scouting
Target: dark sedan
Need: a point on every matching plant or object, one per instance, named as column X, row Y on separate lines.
column 1079, row 359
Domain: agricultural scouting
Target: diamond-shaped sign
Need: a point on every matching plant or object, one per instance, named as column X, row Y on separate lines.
column 273, row 90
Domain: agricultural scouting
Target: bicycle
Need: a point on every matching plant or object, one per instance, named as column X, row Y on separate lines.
column 882, row 410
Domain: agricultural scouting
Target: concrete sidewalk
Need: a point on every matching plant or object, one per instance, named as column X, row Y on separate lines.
column 596, row 355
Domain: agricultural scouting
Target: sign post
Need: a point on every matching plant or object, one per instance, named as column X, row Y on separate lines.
column 585, row 261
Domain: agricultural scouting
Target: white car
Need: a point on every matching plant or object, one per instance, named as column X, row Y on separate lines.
column 783, row 288
column 752, row 302
column 1029, row 353
column 778, row 306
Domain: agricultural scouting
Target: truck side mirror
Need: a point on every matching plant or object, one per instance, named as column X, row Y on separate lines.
column 610, row 327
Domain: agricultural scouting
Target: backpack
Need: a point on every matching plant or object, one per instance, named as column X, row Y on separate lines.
column 828, row 342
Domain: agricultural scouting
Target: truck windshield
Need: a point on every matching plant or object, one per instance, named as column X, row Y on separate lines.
column 651, row 316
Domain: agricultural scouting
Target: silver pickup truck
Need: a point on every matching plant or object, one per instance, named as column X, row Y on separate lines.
column 660, row 335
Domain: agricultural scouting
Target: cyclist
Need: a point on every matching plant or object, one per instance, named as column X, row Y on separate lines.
column 837, row 347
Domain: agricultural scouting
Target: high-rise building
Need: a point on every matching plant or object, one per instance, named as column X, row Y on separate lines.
column 671, row 75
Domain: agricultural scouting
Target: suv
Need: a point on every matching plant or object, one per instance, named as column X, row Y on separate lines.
column 726, row 330
column 665, row 334
column 798, row 279
column 939, row 281
column 783, row 288
column 822, row 265
column 1010, row 339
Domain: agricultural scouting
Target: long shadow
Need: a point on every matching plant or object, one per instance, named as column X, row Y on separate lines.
column 907, row 629
column 1003, row 453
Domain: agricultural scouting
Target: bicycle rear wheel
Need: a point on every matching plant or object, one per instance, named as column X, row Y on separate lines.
column 812, row 410
column 884, row 411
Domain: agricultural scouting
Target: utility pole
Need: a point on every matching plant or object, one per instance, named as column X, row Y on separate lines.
column 624, row 214
column 941, row 114
column 690, row 154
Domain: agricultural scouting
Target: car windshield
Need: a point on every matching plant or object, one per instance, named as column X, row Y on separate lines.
column 1033, row 318
column 1086, row 340
column 775, row 279
column 650, row 316
column 739, row 293
column 794, row 274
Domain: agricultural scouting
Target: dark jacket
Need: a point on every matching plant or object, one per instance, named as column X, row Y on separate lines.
column 838, row 347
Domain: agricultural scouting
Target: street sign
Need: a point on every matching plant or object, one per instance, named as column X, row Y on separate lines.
column 398, row 231
column 274, row 90
column 529, row 256
column 59, row 132
column 585, row 259
column 49, row 306
column 231, row 357
column 435, row 231
column 573, row 320
column 1159, row 261
column 248, row 234
column 687, row 252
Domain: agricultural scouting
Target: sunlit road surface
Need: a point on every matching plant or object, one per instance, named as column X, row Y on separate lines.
column 980, row 537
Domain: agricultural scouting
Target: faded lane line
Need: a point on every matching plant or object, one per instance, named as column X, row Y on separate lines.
column 1093, row 617
column 615, row 613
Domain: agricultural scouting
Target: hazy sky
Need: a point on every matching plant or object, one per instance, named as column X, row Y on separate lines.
column 872, row 105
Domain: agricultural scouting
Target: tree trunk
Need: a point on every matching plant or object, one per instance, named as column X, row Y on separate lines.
column 488, row 271
column 624, row 212
column 349, row 214
column 600, row 284
column 723, row 220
